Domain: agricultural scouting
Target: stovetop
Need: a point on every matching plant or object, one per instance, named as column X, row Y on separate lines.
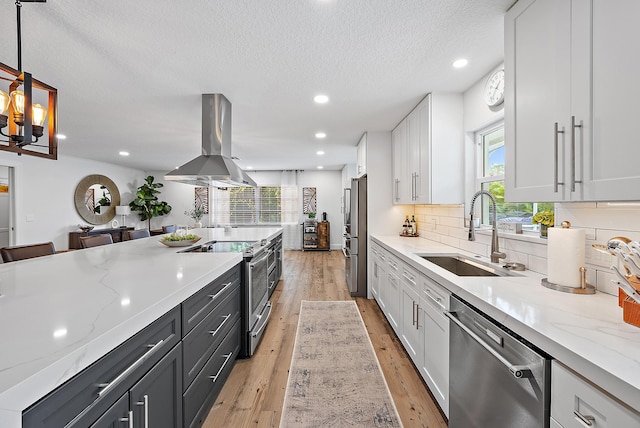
column 247, row 248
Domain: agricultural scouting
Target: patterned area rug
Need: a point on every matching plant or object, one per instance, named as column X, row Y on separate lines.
column 335, row 379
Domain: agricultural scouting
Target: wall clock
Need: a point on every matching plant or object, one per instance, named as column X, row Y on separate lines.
column 494, row 89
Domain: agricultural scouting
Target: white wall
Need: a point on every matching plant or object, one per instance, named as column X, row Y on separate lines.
column 477, row 115
column 45, row 208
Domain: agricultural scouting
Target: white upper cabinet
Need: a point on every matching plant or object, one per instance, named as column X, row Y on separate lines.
column 361, row 166
column 401, row 176
column 428, row 153
column 570, row 100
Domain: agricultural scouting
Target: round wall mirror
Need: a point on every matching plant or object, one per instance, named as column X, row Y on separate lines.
column 96, row 199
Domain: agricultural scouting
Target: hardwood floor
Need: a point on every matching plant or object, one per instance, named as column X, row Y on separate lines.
column 254, row 392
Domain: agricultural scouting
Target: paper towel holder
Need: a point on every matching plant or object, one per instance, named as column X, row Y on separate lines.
column 583, row 289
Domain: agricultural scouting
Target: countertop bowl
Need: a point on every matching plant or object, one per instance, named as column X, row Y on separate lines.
column 183, row 243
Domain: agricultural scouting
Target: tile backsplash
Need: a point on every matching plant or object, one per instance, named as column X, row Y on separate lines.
column 601, row 221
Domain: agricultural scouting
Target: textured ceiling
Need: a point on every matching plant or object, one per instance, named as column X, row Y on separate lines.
column 130, row 74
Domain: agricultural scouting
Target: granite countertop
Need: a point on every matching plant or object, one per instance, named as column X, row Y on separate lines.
column 61, row 313
column 584, row 332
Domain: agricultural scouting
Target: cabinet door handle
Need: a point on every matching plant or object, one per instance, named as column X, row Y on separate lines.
column 556, row 183
column 573, row 153
column 214, row 332
column 129, row 419
column 413, row 313
column 417, row 316
column 145, row 408
column 397, row 189
column 409, row 278
column 106, row 387
column 227, row 285
column 417, row 176
column 226, row 360
column 585, row 419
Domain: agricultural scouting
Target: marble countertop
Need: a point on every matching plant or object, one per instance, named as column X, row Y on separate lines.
column 61, row 313
column 584, row 332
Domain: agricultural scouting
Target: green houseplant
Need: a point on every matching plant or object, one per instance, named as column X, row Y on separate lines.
column 147, row 203
column 545, row 219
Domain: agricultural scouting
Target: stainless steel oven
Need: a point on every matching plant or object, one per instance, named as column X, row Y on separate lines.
column 257, row 261
column 257, row 274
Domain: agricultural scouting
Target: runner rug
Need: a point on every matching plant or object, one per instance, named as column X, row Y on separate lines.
column 335, row 378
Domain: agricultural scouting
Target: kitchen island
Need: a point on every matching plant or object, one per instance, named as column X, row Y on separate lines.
column 585, row 333
column 61, row 313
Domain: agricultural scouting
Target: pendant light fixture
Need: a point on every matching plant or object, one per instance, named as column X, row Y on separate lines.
column 24, row 119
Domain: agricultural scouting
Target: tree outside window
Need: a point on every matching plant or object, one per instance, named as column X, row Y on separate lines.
column 491, row 166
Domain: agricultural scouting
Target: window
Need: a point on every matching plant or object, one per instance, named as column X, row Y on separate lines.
column 491, row 177
column 256, row 205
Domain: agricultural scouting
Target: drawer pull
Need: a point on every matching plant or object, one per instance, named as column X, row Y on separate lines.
column 214, row 296
column 145, row 406
column 106, row 387
column 226, row 360
column 129, row 419
column 409, row 278
column 437, row 300
column 585, row 419
column 213, row 332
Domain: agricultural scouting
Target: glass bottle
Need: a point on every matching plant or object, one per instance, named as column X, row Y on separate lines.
column 414, row 229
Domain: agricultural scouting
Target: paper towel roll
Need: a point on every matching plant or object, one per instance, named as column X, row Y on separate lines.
column 565, row 256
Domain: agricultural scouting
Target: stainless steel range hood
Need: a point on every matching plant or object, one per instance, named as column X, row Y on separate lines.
column 215, row 166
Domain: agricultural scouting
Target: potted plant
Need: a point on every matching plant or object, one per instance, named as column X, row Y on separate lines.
column 196, row 214
column 147, row 203
column 545, row 219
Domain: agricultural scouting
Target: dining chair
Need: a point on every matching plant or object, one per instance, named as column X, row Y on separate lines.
column 169, row 229
column 137, row 234
column 21, row 252
column 96, row 240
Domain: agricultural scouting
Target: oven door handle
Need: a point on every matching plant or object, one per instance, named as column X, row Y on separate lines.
column 257, row 261
column 263, row 320
column 518, row 371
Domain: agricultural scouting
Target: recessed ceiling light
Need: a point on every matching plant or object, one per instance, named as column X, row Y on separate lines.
column 319, row 152
column 321, row 99
column 320, row 167
column 320, row 135
column 459, row 63
column 61, row 136
column 249, row 167
column 124, row 153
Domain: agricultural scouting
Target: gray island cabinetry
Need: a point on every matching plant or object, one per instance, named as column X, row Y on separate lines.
column 103, row 345
column 182, row 359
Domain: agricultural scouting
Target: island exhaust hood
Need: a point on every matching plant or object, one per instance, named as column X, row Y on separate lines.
column 215, row 166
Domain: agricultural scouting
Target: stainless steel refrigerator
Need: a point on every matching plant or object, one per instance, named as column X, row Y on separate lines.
column 356, row 238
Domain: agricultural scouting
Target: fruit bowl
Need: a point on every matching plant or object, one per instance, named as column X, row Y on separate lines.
column 175, row 240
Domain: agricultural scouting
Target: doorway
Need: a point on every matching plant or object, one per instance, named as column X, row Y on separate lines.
column 6, row 197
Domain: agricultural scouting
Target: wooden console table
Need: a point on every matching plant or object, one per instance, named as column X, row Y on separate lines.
column 117, row 235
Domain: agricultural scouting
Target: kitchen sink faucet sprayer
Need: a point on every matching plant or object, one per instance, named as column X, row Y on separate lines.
column 496, row 255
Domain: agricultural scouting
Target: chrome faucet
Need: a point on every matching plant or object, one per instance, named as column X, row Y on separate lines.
column 496, row 255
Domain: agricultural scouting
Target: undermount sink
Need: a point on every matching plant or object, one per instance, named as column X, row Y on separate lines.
column 463, row 266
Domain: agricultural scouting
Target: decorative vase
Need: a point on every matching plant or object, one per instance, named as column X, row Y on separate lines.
column 197, row 224
column 544, row 230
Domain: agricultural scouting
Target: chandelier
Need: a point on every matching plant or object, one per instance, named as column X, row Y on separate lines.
column 25, row 119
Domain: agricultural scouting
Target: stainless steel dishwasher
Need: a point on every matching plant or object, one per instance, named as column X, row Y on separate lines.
column 496, row 379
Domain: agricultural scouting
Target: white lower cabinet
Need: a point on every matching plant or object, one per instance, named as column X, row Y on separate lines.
column 575, row 402
column 392, row 298
column 413, row 305
column 434, row 300
column 411, row 332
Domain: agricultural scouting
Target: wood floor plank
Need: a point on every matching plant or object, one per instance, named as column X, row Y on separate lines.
column 254, row 392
